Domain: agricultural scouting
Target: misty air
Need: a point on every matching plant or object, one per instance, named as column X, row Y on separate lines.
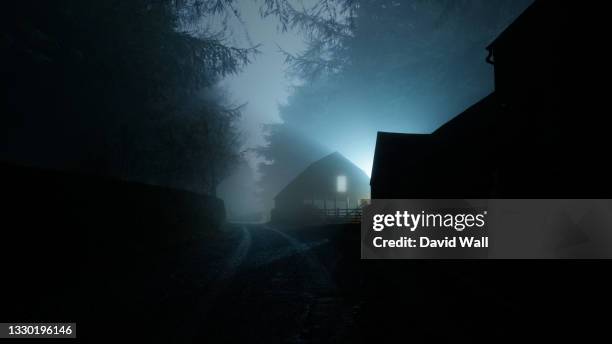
column 183, row 171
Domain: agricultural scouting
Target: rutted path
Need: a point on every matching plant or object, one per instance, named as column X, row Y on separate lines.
column 263, row 284
column 211, row 280
column 320, row 277
column 275, row 287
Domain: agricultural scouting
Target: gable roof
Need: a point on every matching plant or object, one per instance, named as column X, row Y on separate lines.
column 319, row 170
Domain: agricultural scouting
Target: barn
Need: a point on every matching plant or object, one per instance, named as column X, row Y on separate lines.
column 332, row 187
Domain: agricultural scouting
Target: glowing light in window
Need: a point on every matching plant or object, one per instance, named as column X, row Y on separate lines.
column 341, row 184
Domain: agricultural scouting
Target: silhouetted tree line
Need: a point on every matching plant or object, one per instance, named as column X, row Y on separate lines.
column 121, row 88
column 130, row 88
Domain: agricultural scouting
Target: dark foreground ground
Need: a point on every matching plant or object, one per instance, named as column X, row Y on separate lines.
column 265, row 284
column 142, row 264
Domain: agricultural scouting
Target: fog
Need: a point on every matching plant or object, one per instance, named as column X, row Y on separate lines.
column 405, row 66
column 236, row 98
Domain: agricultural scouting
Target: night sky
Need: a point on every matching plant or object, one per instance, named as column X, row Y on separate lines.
column 118, row 95
column 350, row 124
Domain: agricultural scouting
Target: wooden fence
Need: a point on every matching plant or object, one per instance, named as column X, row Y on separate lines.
column 338, row 215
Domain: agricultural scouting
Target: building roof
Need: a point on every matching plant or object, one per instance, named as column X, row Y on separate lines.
column 530, row 26
column 315, row 179
column 400, row 160
column 477, row 119
column 394, row 149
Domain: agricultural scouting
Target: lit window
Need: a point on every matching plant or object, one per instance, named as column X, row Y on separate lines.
column 341, row 184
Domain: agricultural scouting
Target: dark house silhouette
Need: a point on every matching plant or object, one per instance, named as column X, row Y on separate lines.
column 412, row 151
column 540, row 134
column 330, row 183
